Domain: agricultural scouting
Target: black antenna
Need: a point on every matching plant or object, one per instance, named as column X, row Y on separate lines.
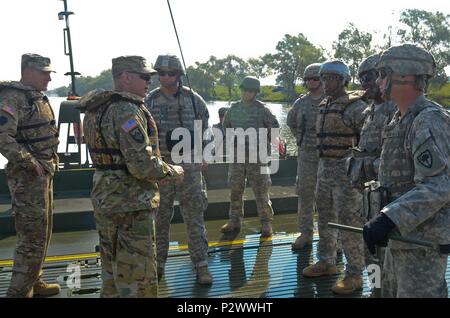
column 64, row 15
column 179, row 45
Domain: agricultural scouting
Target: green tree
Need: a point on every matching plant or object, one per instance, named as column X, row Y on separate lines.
column 352, row 47
column 232, row 71
column 258, row 67
column 294, row 53
column 432, row 32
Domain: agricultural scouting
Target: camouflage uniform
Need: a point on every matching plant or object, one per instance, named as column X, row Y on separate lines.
column 414, row 170
column 336, row 200
column 301, row 120
column 28, row 136
column 122, row 139
column 255, row 115
column 171, row 112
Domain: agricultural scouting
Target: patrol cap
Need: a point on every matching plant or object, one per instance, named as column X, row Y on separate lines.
column 36, row 61
column 131, row 63
column 222, row 111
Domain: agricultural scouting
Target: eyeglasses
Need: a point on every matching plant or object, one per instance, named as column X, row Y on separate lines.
column 327, row 78
column 315, row 79
column 145, row 77
column 168, row 73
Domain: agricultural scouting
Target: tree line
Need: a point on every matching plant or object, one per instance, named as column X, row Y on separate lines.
column 294, row 52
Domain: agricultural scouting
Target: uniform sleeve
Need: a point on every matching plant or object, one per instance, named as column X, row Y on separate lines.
column 291, row 120
column 428, row 143
column 202, row 108
column 9, row 117
column 358, row 113
column 134, row 143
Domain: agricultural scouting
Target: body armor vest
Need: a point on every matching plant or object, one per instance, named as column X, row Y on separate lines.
column 335, row 135
column 397, row 166
column 371, row 133
column 306, row 121
column 36, row 130
column 168, row 117
column 105, row 157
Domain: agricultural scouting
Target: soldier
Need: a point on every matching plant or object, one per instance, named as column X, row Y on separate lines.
column 340, row 119
column 122, row 139
column 301, row 120
column 249, row 113
column 176, row 106
column 364, row 162
column 29, row 140
column 415, row 173
column 219, row 139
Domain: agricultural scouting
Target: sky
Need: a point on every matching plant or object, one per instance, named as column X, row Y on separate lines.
column 104, row 29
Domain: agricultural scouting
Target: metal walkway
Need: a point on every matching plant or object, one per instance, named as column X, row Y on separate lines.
column 250, row 268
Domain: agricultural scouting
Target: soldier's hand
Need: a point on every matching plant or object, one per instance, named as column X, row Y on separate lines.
column 376, row 231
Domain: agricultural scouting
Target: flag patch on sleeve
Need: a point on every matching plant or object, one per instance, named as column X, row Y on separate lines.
column 129, row 125
column 9, row 110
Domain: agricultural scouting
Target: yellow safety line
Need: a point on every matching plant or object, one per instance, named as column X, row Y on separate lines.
column 70, row 257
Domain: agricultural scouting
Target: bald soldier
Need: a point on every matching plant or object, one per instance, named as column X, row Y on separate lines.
column 29, row 140
column 122, row 139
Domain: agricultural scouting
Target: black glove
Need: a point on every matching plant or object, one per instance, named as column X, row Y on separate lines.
column 376, row 231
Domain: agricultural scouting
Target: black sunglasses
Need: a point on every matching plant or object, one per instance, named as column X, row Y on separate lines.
column 168, row 73
column 145, row 77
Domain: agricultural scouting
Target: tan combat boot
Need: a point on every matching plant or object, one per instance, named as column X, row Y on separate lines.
column 319, row 269
column 203, row 276
column 42, row 288
column 348, row 285
column 301, row 241
column 231, row 226
column 266, row 230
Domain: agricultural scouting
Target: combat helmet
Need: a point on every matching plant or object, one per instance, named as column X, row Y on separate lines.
column 368, row 64
column 222, row 111
column 312, row 70
column 250, row 82
column 336, row 67
column 169, row 61
column 408, row 59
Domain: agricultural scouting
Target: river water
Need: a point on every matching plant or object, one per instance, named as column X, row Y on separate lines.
column 278, row 109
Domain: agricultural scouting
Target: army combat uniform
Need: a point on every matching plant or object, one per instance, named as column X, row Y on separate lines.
column 415, row 170
column 123, row 143
column 171, row 112
column 301, row 120
column 255, row 115
column 338, row 127
column 28, row 136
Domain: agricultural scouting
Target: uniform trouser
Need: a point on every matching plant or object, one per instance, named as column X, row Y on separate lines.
column 260, row 182
column 414, row 273
column 338, row 202
column 32, row 204
column 193, row 202
column 127, row 250
column 307, row 163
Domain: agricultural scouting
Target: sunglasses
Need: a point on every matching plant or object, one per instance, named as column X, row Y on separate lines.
column 327, row 78
column 168, row 73
column 315, row 79
column 145, row 77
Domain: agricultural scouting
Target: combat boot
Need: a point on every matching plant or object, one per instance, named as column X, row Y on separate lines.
column 266, row 230
column 231, row 226
column 319, row 269
column 42, row 288
column 301, row 241
column 203, row 276
column 348, row 285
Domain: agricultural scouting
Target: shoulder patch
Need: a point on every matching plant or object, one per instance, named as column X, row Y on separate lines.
column 137, row 135
column 3, row 120
column 130, row 124
column 8, row 109
column 425, row 159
